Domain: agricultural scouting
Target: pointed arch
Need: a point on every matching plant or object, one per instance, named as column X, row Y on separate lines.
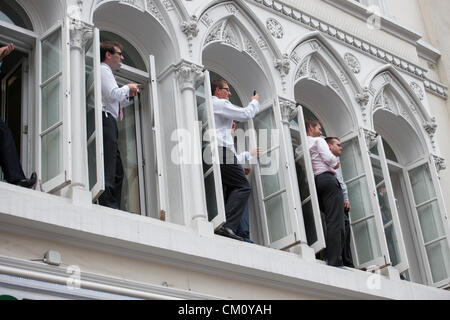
column 398, row 113
column 321, row 78
column 230, row 30
column 111, row 15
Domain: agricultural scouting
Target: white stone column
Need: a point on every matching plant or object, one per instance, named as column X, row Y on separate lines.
column 80, row 33
column 188, row 74
column 289, row 111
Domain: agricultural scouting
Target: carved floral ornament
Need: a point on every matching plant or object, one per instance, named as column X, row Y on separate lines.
column 352, row 62
column 417, row 90
column 275, row 28
column 289, row 110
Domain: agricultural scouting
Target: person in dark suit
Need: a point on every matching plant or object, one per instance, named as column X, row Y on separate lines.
column 9, row 158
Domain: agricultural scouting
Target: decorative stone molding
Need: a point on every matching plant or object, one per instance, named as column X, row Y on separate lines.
column 80, row 34
column 363, row 99
column 206, row 20
column 188, row 75
column 439, row 163
column 417, row 90
column 289, row 111
column 168, row 5
column 190, row 28
column 352, row 62
column 154, row 11
column 430, row 127
column 370, row 137
column 283, row 65
column 359, row 44
column 275, row 28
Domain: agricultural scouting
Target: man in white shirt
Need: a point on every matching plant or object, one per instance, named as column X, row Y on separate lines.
column 336, row 148
column 112, row 96
column 329, row 192
column 233, row 176
column 9, row 158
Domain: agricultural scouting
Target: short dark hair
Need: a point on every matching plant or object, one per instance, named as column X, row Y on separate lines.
column 311, row 122
column 217, row 84
column 329, row 140
column 108, row 46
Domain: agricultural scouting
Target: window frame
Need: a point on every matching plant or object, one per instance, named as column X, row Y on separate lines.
column 65, row 175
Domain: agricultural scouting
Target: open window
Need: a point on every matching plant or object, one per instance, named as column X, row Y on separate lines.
column 367, row 241
column 307, row 186
column 388, row 207
column 430, row 220
column 54, row 108
column 211, row 163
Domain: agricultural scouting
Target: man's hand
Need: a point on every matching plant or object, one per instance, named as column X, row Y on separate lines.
column 4, row 51
column 347, row 205
column 337, row 165
column 255, row 97
column 134, row 89
column 255, row 151
column 247, row 171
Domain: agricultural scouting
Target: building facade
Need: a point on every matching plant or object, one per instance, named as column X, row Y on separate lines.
column 373, row 72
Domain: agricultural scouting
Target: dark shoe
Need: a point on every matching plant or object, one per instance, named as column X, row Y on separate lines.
column 227, row 232
column 28, row 183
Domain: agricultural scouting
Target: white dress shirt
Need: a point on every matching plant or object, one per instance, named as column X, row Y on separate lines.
column 341, row 182
column 322, row 159
column 112, row 95
column 224, row 114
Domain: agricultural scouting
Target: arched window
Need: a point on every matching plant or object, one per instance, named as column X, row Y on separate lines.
column 11, row 12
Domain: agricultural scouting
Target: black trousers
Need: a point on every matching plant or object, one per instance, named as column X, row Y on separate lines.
column 237, row 188
column 9, row 158
column 113, row 164
column 331, row 201
column 346, row 252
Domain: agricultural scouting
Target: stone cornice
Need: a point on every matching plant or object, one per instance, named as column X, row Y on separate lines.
column 358, row 44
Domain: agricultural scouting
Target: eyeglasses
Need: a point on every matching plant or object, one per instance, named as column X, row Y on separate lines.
column 119, row 52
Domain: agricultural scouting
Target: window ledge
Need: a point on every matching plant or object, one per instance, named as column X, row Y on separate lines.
column 37, row 214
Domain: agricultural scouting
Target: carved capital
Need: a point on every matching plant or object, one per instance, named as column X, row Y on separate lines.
column 289, row 111
column 363, row 97
column 188, row 75
column 439, row 163
column 283, row 65
column 190, row 28
column 370, row 137
column 80, row 33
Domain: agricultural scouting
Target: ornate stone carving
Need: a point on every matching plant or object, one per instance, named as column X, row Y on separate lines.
column 275, row 28
column 261, row 42
column 214, row 35
column 80, row 33
column 231, row 8
column 417, row 90
column 188, row 74
column 430, row 127
column 289, row 111
column 230, row 37
column 190, row 28
column 206, row 20
column 153, row 9
column 352, row 62
column 167, row 4
column 439, row 163
column 363, row 99
column 283, row 65
column 370, row 137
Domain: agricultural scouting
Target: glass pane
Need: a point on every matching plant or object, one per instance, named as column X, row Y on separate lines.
column 211, row 200
column 278, row 223
column 438, row 257
column 11, row 12
column 92, row 163
column 363, row 232
column 51, row 154
column 430, row 221
column 51, row 104
column 264, row 125
column 309, row 221
column 351, row 160
column 422, row 184
column 390, row 155
column 358, row 193
column 130, row 200
column 377, row 171
column 51, row 55
column 271, row 177
column 392, row 244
